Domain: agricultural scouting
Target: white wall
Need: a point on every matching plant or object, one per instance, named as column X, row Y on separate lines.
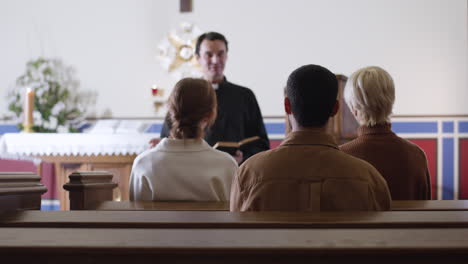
column 112, row 44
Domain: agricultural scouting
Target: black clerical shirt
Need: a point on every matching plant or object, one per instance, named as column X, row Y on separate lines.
column 238, row 117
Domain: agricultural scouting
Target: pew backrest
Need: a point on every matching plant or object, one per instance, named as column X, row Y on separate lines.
column 159, row 206
column 220, row 219
column 20, row 191
column 431, row 205
column 99, row 245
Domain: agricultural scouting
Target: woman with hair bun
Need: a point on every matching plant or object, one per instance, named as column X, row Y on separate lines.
column 184, row 167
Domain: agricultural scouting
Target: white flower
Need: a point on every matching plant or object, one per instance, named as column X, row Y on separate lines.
column 53, row 122
column 35, row 75
column 58, row 107
column 35, row 85
column 42, row 100
column 46, row 124
column 39, row 92
column 38, row 122
column 37, row 118
column 46, row 86
column 42, row 67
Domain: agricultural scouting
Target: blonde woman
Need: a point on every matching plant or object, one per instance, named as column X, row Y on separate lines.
column 183, row 166
column 370, row 94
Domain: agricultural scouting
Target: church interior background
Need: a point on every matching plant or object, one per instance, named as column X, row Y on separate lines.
column 123, row 57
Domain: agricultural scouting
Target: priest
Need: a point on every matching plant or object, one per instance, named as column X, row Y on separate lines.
column 239, row 115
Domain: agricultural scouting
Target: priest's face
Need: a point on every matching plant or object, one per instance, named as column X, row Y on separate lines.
column 212, row 58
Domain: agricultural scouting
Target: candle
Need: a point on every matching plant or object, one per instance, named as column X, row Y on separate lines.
column 28, row 107
column 154, row 89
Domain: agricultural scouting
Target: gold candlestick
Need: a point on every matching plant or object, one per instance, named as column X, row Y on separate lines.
column 27, row 128
column 28, row 111
column 158, row 105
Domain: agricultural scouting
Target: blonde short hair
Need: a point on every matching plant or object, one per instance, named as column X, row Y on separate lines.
column 371, row 93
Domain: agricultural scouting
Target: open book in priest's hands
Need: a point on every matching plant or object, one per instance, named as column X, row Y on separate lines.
column 231, row 147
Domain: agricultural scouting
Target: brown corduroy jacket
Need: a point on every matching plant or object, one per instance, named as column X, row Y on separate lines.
column 402, row 163
column 308, row 172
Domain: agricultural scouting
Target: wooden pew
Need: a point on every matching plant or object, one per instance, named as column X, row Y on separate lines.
column 20, row 191
column 158, row 206
column 430, row 205
column 220, row 219
column 93, row 191
column 225, row 237
column 109, row 245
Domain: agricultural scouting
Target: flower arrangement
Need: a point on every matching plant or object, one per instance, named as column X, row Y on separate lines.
column 57, row 104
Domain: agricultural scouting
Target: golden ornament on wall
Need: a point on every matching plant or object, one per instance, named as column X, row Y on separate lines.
column 176, row 52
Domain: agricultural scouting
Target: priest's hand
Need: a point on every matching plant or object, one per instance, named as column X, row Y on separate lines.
column 153, row 142
column 239, row 156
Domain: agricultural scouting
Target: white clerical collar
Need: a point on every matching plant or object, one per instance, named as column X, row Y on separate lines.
column 215, row 86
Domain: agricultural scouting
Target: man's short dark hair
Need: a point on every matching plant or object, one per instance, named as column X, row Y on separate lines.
column 312, row 91
column 210, row 36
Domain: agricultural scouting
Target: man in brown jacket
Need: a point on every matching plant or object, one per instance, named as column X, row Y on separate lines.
column 308, row 172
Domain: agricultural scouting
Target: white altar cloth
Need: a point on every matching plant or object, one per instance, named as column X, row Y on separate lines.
column 76, row 144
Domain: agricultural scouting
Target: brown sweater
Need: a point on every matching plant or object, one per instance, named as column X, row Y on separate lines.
column 402, row 163
column 307, row 172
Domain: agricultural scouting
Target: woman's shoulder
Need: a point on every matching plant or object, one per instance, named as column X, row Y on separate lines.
column 146, row 155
